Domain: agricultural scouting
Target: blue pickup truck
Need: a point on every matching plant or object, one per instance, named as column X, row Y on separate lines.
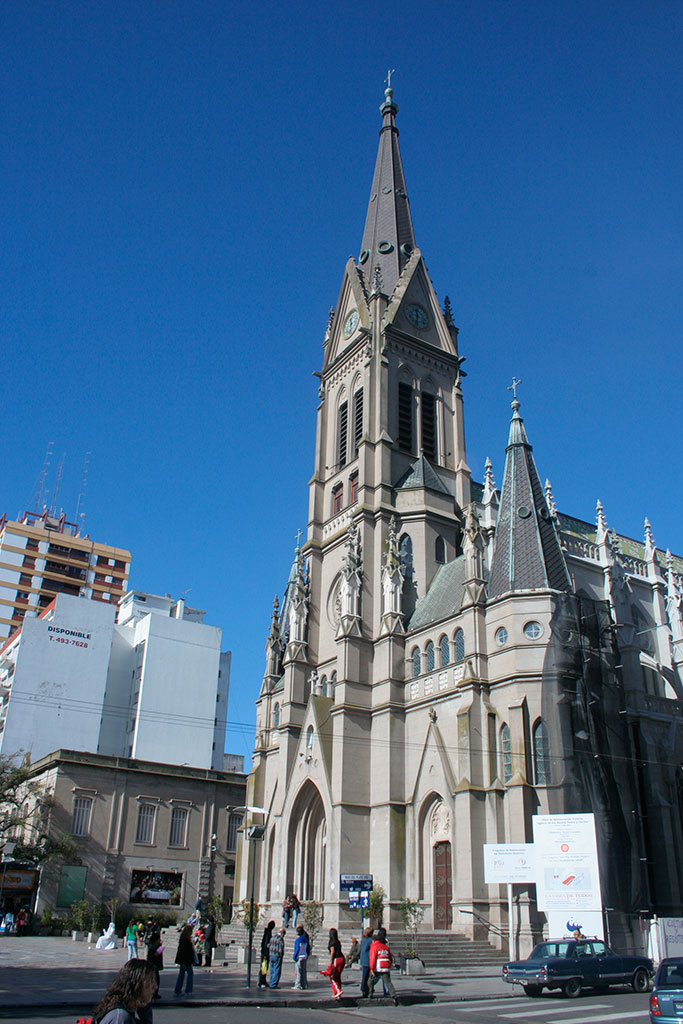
column 573, row 964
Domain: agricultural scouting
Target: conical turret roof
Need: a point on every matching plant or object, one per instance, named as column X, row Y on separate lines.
column 388, row 238
column 527, row 552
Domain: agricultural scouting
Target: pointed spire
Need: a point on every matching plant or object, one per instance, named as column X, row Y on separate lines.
column 600, row 521
column 527, row 552
column 388, row 238
column 448, row 313
column 649, row 542
column 489, row 482
column 550, row 501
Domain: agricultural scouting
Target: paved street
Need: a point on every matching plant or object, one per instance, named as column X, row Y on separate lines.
column 45, row 979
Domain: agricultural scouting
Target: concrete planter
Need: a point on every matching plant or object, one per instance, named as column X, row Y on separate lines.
column 414, row 966
column 78, row 936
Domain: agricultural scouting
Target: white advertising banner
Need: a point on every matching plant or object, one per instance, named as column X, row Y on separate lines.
column 672, row 934
column 509, row 863
column 589, row 923
column 567, row 874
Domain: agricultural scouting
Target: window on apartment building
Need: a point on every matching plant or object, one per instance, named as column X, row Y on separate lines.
column 405, row 416
column 178, row 835
column 234, row 822
column 337, row 499
column 80, row 826
column 428, row 406
column 357, row 420
column 342, row 434
column 353, row 489
column 146, row 818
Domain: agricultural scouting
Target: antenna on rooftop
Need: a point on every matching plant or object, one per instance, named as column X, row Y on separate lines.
column 41, row 483
column 81, row 494
column 58, row 483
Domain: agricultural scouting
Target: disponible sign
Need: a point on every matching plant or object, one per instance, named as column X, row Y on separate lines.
column 509, row 863
column 567, row 876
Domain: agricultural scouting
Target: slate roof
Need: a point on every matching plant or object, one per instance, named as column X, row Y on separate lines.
column 627, row 545
column 527, row 553
column 444, row 597
column 388, row 238
column 421, row 475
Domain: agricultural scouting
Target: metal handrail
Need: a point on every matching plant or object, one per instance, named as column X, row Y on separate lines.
column 485, row 920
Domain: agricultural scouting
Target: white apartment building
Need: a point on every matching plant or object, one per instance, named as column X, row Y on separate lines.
column 153, row 686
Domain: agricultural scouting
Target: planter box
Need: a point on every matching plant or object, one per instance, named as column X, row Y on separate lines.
column 414, row 967
column 78, row 936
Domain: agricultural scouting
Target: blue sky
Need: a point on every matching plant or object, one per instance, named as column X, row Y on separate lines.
column 182, row 184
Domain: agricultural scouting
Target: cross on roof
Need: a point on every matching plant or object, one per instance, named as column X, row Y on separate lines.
column 390, row 72
column 513, row 387
column 298, row 538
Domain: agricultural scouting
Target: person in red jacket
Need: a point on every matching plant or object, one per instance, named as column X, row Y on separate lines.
column 380, row 965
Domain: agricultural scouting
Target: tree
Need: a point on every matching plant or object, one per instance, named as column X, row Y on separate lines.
column 16, row 790
column 25, row 811
column 412, row 915
column 376, row 903
column 216, row 908
column 311, row 917
column 242, row 913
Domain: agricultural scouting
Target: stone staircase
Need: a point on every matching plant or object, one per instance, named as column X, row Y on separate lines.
column 439, row 950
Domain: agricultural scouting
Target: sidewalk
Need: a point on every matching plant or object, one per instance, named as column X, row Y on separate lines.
column 40, row 972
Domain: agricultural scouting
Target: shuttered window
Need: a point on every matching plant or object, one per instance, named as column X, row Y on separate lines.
column 405, row 417
column 357, row 420
column 429, row 426
column 178, row 836
column 343, row 433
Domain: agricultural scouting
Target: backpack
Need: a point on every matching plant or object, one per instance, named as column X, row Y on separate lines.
column 384, row 959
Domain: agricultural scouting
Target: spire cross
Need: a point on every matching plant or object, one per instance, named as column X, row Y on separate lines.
column 390, row 72
column 513, row 387
column 298, row 538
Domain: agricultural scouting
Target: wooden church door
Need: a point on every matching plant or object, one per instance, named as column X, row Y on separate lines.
column 443, row 886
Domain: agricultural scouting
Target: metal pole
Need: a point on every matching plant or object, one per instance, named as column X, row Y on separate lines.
column 251, row 912
column 511, row 924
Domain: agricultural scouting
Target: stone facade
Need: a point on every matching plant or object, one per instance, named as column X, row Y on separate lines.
column 147, row 834
column 451, row 658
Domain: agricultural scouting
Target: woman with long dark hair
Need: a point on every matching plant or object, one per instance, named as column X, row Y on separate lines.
column 185, row 959
column 129, row 994
column 337, row 962
column 265, row 954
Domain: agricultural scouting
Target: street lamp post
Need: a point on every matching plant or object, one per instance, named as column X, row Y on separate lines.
column 254, row 834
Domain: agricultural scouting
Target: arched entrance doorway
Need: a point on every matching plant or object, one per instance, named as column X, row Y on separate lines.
column 442, row 872
column 306, row 859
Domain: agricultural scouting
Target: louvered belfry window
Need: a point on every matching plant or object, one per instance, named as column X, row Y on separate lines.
column 405, row 416
column 343, row 433
column 429, row 425
column 357, row 420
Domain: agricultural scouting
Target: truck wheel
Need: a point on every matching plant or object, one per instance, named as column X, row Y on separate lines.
column 640, row 981
column 572, row 988
column 532, row 990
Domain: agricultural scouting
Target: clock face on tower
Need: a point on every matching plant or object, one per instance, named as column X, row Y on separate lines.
column 417, row 316
column 351, row 323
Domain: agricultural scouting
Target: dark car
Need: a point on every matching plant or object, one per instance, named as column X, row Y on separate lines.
column 666, row 1001
column 573, row 964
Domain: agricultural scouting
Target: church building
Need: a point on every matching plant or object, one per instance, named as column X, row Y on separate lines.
column 451, row 658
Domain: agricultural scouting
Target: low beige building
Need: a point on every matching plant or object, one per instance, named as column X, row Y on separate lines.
column 150, row 835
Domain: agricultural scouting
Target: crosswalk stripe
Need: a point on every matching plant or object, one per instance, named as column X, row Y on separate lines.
column 607, row 1016
column 552, row 1009
column 485, row 1004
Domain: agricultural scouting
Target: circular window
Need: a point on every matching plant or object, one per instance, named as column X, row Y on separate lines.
column 524, row 511
column 407, row 249
column 543, row 512
column 533, row 630
column 502, row 635
column 385, row 247
column 364, row 256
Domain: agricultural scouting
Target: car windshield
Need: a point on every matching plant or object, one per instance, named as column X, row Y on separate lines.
column 670, row 975
column 546, row 949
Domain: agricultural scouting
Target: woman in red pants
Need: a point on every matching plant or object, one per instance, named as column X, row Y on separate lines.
column 337, row 962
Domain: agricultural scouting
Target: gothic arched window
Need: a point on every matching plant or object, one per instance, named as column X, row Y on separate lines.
column 323, row 686
column 405, row 416
column 428, row 411
column 459, row 640
column 357, row 420
column 445, row 648
column 506, row 752
column 310, row 739
column 276, row 716
column 430, row 656
column 440, row 550
column 342, row 433
column 541, row 754
column 417, row 662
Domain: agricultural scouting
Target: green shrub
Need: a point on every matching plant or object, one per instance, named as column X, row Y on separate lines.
column 311, row 917
column 376, row 903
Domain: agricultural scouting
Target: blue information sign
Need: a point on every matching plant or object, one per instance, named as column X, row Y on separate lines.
column 361, row 882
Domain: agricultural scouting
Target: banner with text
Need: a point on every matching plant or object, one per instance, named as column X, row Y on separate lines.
column 567, row 874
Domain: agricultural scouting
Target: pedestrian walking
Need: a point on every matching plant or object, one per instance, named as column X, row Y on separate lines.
column 380, row 965
column 132, row 939
column 155, row 951
column 294, row 907
column 302, row 951
column 365, row 944
column 286, row 911
column 185, row 959
column 276, row 952
column 265, row 955
column 336, row 965
column 128, row 999
column 209, row 940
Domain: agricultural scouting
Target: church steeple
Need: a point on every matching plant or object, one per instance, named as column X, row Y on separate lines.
column 527, row 553
column 388, row 239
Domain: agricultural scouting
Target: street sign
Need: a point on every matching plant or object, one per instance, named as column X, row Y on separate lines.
column 365, row 900
column 362, row 882
column 354, row 899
